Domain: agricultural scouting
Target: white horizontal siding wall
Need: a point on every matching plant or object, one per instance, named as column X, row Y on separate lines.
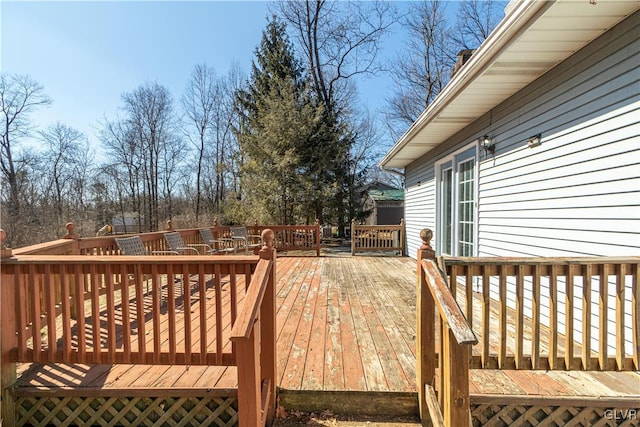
column 576, row 194
column 579, row 192
column 419, row 206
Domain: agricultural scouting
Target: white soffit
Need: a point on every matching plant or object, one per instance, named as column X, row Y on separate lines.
column 533, row 37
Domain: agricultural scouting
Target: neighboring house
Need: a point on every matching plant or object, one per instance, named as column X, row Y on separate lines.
column 385, row 203
column 127, row 223
column 553, row 95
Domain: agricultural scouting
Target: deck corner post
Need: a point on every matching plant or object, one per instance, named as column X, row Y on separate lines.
column 8, row 342
column 249, row 406
column 456, row 390
column 268, row 356
column 425, row 327
column 71, row 235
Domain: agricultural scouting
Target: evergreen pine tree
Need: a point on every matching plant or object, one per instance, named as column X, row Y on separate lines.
column 279, row 128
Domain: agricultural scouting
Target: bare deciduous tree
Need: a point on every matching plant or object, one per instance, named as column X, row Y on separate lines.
column 64, row 148
column 20, row 96
column 423, row 70
column 198, row 104
column 150, row 118
column 475, row 21
column 339, row 40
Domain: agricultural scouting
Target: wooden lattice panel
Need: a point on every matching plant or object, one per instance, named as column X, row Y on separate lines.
column 127, row 411
column 520, row 415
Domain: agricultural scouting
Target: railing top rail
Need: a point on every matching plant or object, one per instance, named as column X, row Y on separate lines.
column 378, row 227
column 130, row 259
column 540, row 260
column 253, row 301
column 447, row 305
column 286, row 227
column 52, row 246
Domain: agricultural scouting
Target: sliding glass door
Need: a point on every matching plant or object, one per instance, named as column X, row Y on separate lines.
column 457, row 196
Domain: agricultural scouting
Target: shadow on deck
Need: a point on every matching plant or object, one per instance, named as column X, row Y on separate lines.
column 346, row 342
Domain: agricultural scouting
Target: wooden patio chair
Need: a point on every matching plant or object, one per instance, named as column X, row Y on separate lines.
column 221, row 245
column 245, row 240
column 176, row 244
column 134, row 246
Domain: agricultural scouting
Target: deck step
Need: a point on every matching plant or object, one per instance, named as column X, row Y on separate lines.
column 350, row 402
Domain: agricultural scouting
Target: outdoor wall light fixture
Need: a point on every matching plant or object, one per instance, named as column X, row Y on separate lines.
column 534, row 141
column 486, row 142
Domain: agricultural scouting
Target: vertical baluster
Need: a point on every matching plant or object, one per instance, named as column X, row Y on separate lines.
column 586, row 316
column 469, row 304
column 233, row 290
column 202, row 293
column 126, row 316
column 568, row 315
column 620, row 312
column 111, row 314
column 247, row 276
column 604, row 314
column 36, row 324
column 95, row 314
column 65, row 305
column 535, row 314
column 502, row 290
column 486, row 312
column 468, row 289
column 22, row 303
column 156, row 292
column 218, row 293
column 453, row 277
column 553, row 317
column 188, row 327
column 50, row 301
column 519, row 317
column 171, row 311
column 79, row 279
column 140, row 314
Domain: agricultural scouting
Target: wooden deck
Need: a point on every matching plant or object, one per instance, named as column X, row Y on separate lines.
column 345, row 342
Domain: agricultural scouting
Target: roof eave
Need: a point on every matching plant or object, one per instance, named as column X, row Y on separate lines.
column 518, row 16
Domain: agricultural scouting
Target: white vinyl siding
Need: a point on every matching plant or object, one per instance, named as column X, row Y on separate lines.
column 419, row 207
column 578, row 193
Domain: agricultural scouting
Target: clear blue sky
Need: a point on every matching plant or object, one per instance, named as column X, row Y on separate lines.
column 86, row 54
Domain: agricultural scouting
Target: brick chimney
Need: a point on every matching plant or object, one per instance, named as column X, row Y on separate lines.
column 463, row 57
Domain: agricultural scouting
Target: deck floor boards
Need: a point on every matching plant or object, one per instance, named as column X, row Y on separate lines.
column 343, row 324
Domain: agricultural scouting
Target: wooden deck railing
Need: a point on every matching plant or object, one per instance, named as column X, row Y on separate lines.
column 293, row 237
column 434, row 300
column 287, row 238
column 109, row 309
column 582, row 313
column 377, row 238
